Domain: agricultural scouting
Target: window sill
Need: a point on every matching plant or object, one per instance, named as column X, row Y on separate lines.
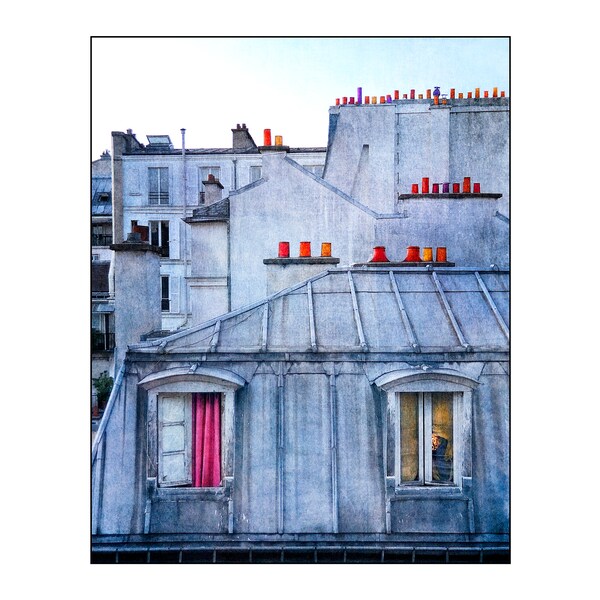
column 428, row 491
column 190, row 493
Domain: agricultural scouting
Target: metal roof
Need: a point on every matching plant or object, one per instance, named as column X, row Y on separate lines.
column 199, row 151
column 101, row 186
column 364, row 309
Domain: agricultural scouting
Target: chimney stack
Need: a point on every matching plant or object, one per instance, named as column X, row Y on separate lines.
column 242, row 140
column 212, row 190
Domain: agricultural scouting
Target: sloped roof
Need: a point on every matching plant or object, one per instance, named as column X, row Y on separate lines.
column 101, row 187
column 364, row 309
column 198, row 151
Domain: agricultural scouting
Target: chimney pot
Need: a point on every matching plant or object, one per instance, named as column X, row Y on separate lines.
column 304, row 249
column 412, row 254
column 284, row 249
column 379, row 254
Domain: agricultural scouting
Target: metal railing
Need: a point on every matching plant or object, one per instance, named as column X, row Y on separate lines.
column 102, row 239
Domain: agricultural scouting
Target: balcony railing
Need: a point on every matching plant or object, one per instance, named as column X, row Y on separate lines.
column 101, row 239
column 102, row 341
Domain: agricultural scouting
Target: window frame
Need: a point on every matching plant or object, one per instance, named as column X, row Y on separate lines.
column 192, row 380
column 426, row 381
column 210, row 170
column 163, row 299
column 163, row 197
column 424, row 430
column 161, row 226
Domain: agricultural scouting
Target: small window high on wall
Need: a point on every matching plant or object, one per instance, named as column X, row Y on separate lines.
column 189, row 440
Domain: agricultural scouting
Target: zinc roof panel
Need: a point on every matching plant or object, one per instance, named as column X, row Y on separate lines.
column 334, row 320
column 289, row 323
column 475, row 318
column 429, row 320
column 382, row 321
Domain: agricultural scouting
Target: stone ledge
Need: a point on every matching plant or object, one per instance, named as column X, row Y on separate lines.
column 302, row 260
column 443, row 196
column 405, row 264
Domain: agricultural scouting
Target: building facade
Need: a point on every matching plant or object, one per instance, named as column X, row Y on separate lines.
column 157, row 187
column 347, row 402
column 102, row 306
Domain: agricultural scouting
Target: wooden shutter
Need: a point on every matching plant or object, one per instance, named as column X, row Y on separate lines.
column 174, row 293
column 174, row 440
column 152, row 185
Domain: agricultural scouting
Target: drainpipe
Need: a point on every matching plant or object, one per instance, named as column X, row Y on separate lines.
column 186, row 259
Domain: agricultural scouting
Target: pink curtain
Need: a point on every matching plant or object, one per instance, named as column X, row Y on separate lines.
column 206, row 440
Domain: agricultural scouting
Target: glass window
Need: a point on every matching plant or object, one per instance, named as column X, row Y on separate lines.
column 426, row 437
column 158, row 185
column 159, row 236
column 204, row 172
column 165, row 299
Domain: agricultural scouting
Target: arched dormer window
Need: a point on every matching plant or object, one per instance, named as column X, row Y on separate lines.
column 428, row 427
column 190, row 426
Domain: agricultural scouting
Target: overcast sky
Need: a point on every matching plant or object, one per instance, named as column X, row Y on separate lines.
column 208, row 85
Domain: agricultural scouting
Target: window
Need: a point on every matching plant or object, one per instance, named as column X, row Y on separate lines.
column 159, row 236
column 158, row 185
column 103, row 332
column 165, row 297
column 204, row 172
column 255, row 174
column 427, row 437
column 428, row 425
column 189, row 440
column 101, row 234
column 190, row 417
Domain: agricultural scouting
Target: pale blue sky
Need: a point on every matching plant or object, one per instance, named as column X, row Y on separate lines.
column 208, row 85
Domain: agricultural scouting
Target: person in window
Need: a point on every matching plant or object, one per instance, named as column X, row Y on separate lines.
column 441, row 465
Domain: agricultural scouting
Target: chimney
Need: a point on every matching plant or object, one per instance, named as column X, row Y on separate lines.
column 242, row 140
column 212, row 190
column 284, row 270
column 137, row 292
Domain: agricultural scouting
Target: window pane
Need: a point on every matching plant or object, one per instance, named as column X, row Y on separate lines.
column 163, row 185
column 409, row 437
column 205, row 172
column 441, row 437
column 165, row 302
column 164, row 238
column 154, row 240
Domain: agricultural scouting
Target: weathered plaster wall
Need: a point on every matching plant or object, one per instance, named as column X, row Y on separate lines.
column 309, row 458
column 289, row 206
